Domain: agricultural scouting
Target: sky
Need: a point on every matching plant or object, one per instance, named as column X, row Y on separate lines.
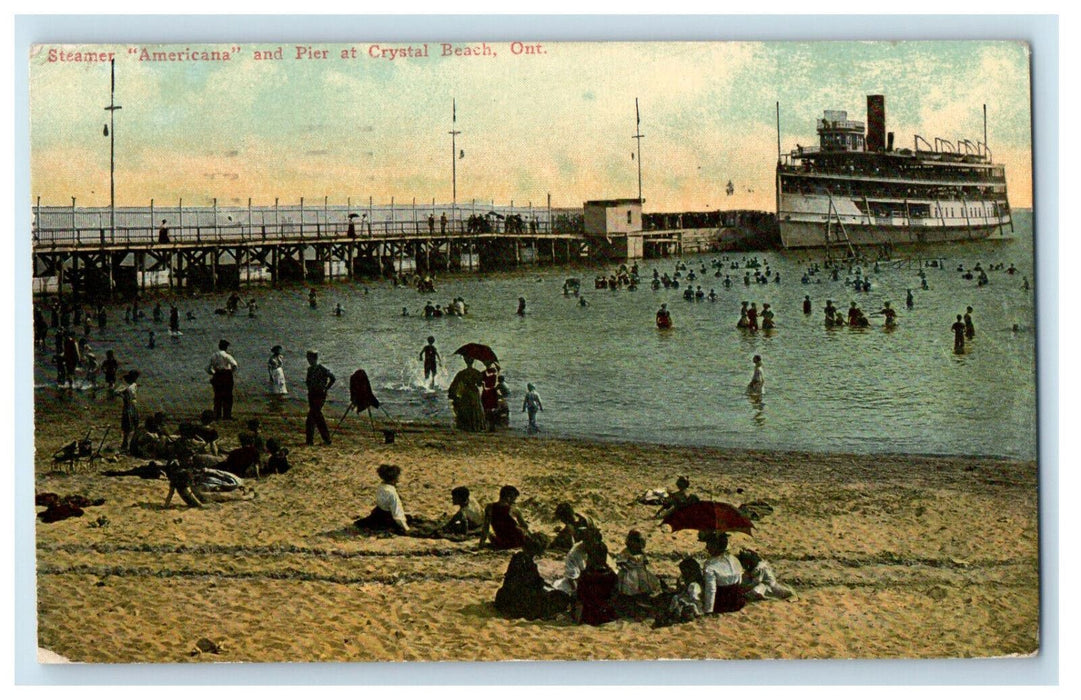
column 535, row 119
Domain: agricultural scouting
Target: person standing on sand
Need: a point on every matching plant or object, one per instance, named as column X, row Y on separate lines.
column 958, row 336
column 109, row 368
column 319, row 381
column 129, row 414
column 430, row 356
column 531, row 404
column 464, row 393
column 275, row 366
column 221, row 368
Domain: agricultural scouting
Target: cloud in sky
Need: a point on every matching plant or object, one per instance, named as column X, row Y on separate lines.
column 558, row 122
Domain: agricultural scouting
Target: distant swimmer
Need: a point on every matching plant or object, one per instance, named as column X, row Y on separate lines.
column 174, row 320
column 1024, row 284
column 431, row 358
column 758, row 380
column 582, row 301
column 970, row 330
column 405, row 311
column 806, row 304
column 313, row 300
column 338, row 310
column 521, row 306
column 664, row 317
column 767, row 317
column 150, row 342
column 752, row 317
column 251, row 308
column 909, row 300
column 743, row 321
column 958, row 336
column 890, row 314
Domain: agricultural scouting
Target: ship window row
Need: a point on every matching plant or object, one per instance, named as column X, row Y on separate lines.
column 911, row 171
column 881, row 210
column 845, row 188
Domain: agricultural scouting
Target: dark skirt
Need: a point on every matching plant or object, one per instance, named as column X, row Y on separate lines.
column 729, row 599
column 379, row 520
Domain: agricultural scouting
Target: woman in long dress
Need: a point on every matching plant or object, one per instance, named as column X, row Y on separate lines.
column 464, row 393
column 276, row 370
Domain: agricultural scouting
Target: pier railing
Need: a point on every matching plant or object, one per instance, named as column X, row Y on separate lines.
column 68, row 226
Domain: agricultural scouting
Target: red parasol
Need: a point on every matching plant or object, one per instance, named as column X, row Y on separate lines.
column 476, row 351
column 708, row 515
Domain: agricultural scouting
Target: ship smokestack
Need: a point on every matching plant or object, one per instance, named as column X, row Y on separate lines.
column 876, row 122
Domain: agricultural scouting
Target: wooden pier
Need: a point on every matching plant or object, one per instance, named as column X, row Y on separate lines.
column 104, row 269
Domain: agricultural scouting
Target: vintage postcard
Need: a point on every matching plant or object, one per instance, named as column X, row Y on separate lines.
column 507, row 350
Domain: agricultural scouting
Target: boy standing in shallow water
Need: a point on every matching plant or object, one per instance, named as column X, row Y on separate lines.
column 532, row 404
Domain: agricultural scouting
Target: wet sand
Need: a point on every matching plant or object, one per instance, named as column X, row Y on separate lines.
column 892, row 556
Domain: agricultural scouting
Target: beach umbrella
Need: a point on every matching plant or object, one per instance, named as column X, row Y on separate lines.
column 476, row 351
column 708, row 515
column 354, row 216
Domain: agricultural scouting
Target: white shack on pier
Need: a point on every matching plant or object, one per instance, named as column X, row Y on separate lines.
column 613, row 227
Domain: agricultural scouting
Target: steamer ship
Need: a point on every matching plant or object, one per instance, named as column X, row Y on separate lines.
column 856, row 189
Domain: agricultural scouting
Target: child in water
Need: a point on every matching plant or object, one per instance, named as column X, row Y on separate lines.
column 531, row 404
column 758, row 381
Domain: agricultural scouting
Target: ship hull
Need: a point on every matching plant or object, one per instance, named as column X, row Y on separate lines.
column 814, row 235
column 816, row 221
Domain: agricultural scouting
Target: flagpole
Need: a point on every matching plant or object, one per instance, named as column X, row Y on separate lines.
column 454, row 153
column 638, row 136
column 111, row 109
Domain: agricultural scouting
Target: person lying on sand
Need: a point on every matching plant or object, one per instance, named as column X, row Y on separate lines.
column 388, row 515
column 524, row 593
column 759, row 581
column 197, row 486
column 503, row 523
column 244, row 461
column 676, row 499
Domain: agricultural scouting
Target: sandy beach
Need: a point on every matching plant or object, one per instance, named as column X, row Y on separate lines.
column 892, row 556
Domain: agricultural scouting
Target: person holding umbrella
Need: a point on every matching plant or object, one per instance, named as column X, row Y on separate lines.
column 464, row 393
column 723, row 574
column 319, row 381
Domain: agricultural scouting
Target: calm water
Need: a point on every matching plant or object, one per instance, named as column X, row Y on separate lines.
column 604, row 371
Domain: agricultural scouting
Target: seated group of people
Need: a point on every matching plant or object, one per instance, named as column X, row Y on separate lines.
column 591, row 589
column 197, row 445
